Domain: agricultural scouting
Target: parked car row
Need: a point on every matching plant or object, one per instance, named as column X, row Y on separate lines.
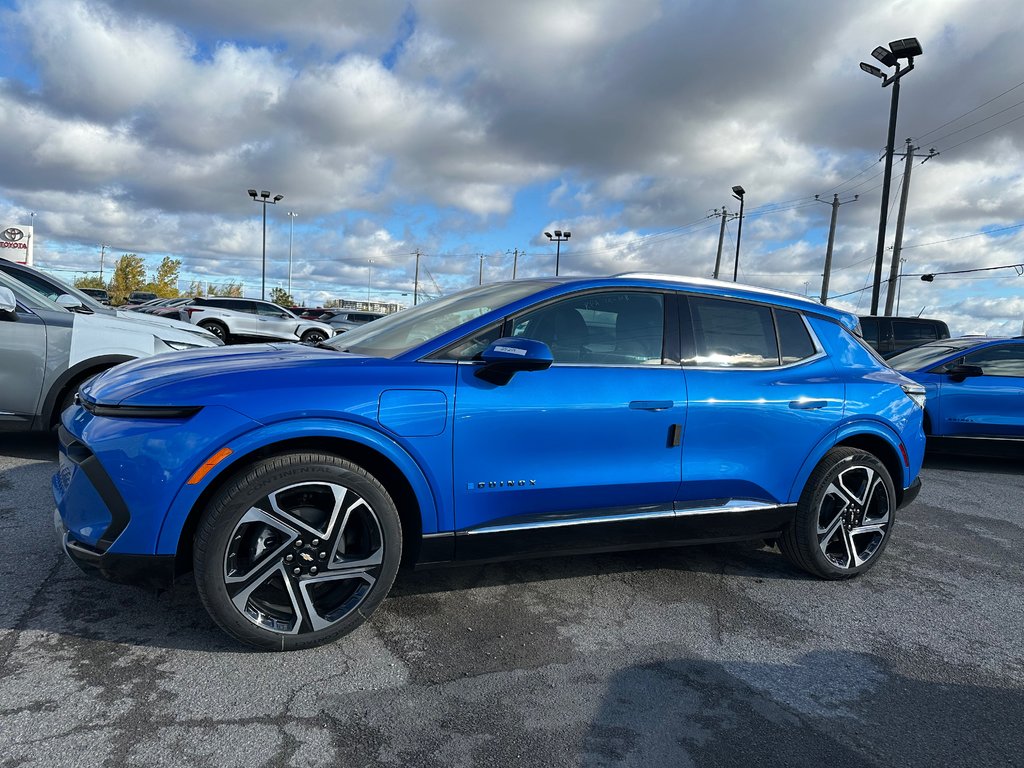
column 232, row 319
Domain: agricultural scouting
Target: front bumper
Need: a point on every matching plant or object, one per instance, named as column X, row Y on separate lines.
column 152, row 571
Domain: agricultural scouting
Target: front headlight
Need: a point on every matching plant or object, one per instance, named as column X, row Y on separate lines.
column 180, row 344
column 915, row 392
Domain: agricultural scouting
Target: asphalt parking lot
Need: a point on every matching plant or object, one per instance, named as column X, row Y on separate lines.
column 710, row 656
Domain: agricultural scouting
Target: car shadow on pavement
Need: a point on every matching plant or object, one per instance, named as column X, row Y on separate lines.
column 829, row 707
column 1002, row 465
column 750, row 560
column 41, row 446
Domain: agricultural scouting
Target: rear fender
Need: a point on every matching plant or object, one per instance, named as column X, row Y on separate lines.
column 859, row 427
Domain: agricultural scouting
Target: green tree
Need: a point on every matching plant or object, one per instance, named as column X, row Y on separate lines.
column 165, row 282
column 281, row 297
column 89, row 281
column 129, row 275
column 225, row 289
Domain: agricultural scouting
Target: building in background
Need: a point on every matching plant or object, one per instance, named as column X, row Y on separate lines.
column 16, row 244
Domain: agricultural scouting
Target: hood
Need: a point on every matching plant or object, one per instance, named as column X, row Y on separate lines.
column 193, row 377
column 167, row 322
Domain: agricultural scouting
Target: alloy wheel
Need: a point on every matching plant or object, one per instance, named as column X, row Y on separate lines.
column 303, row 557
column 853, row 517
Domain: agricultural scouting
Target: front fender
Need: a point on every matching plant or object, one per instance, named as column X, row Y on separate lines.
column 243, row 446
column 859, row 426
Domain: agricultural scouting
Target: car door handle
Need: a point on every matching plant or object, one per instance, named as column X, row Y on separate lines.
column 650, row 405
column 807, row 405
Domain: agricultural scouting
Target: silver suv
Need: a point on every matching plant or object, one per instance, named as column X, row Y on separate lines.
column 48, row 349
column 230, row 319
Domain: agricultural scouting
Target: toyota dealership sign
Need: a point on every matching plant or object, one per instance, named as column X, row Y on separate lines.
column 16, row 244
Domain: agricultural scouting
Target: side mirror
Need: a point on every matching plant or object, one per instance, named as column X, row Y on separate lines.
column 961, row 372
column 7, row 301
column 507, row 356
column 68, row 301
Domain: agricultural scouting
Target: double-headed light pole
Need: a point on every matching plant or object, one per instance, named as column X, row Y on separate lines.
column 907, row 48
column 264, row 197
column 558, row 238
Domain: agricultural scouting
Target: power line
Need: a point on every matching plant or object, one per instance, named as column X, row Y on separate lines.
column 922, row 136
column 965, row 141
column 976, row 122
column 964, row 237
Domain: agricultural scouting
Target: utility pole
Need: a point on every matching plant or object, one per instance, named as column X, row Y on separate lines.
column 515, row 261
column 291, row 231
column 827, row 273
column 894, row 268
column 416, row 283
column 726, row 216
column 481, row 269
column 103, row 249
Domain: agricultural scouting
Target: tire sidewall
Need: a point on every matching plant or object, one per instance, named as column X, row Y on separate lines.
column 810, row 502
column 239, row 495
column 313, row 337
column 217, row 329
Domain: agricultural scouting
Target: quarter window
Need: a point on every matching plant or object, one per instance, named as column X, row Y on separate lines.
column 732, row 334
column 795, row 342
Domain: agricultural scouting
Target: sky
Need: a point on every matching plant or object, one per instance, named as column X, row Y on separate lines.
column 463, row 130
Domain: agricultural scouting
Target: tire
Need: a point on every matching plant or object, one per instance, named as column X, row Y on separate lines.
column 313, row 337
column 217, row 329
column 844, row 517
column 67, row 398
column 296, row 551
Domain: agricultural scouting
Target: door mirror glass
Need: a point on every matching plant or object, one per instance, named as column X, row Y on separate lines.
column 961, row 372
column 507, row 356
column 7, row 301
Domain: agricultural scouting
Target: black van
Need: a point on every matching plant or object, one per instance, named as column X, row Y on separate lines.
column 891, row 335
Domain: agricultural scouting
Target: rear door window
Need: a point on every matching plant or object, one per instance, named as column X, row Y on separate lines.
column 912, row 332
column 732, row 334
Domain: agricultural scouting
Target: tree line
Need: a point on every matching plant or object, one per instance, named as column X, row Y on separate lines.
column 130, row 275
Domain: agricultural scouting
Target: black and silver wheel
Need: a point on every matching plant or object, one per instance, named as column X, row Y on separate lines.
column 844, row 516
column 297, row 551
column 217, row 329
column 313, row 337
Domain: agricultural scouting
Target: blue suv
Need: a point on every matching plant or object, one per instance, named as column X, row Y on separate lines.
column 521, row 418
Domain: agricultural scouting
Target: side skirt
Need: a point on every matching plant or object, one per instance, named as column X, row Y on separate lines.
column 609, row 530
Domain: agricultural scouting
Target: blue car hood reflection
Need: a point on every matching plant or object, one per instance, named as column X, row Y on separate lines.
column 191, row 378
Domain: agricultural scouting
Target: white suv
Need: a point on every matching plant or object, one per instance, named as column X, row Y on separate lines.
column 228, row 319
column 49, row 348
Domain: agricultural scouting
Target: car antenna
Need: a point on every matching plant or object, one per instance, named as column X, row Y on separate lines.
column 922, row 310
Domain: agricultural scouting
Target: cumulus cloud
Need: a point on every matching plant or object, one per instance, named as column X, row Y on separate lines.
column 462, row 128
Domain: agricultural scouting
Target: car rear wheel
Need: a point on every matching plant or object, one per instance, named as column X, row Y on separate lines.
column 844, row 516
column 217, row 329
column 313, row 337
column 297, row 551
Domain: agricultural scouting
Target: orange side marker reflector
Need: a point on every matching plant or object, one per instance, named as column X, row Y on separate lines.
column 210, row 463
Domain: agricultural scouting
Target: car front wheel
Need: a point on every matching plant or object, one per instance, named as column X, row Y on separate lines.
column 844, row 517
column 313, row 337
column 297, row 551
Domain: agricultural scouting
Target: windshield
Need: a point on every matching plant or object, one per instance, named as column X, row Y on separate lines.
column 921, row 357
column 52, row 287
column 27, row 295
column 398, row 333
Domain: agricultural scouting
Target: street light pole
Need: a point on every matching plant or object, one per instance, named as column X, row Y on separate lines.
column 558, row 238
column 907, row 48
column 291, row 231
column 740, row 194
column 369, row 276
column 264, row 198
